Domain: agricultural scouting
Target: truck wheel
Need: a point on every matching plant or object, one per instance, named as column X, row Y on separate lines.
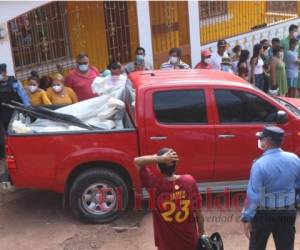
column 98, row 196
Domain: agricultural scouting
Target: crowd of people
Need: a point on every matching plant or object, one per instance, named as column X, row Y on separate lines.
column 273, row 68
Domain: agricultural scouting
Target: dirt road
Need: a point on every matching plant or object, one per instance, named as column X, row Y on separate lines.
column 35, row 220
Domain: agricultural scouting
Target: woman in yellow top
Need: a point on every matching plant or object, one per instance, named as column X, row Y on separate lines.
column 37, row 96
column 59, row 94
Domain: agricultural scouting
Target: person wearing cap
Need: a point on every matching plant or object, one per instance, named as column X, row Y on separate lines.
column 272, row 193
column 139, row 60
column 216, row 57
column 226, row 65
column 205, row 60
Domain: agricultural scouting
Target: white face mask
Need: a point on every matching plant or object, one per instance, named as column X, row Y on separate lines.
column 295, row 34
column 281, row 55
column 173, row 59
column 57, row 88
column 1, row 77
column 32, row 88
column 115, row 77
column 207, row 60
column 259, row 144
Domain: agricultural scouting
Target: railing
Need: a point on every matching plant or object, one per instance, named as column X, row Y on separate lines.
column 223, row 19
column 248, row 40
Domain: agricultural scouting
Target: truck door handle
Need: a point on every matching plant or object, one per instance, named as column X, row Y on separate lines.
column 226, row 136
column 158, row 138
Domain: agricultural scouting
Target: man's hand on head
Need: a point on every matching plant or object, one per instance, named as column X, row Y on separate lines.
column 169, row 157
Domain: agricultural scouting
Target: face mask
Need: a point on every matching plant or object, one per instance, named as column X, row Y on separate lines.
column 281, row 55
column 259, row 144
column 32, row 88
column 226, row 68
column 295, row 33
column 83, row 67
column 207, row 60
column 139, row 58
column 115, row 78
column 57, row 88
column 1, row 77
column 173, row 59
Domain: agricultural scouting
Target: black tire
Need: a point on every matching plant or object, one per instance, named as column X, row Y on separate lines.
column 86, row 180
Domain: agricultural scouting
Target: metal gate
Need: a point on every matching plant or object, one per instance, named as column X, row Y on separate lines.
column 117, row 30
column 58, row 31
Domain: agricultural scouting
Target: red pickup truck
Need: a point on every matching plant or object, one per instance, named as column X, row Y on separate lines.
column 210, row 118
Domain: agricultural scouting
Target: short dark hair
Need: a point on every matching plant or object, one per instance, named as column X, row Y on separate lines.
column 237, row 48
column 167, row 170
column 3, row 67
column 140, row 48
column 34, row 73
column 263, row 41
column 274, row 143
column 293, row 41
column 275, row 40
column 292, row 27
column 276, row 50
column 34, row 78
column 114, row 65
column 81, row 56
column 176, row 50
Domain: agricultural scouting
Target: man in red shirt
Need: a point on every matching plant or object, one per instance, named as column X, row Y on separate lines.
column 177, row 218
column 205, row 60
column 81, row 78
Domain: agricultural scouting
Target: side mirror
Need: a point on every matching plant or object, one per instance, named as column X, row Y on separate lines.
column 282, row 117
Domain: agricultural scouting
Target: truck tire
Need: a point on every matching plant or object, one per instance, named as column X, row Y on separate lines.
column 98, row 196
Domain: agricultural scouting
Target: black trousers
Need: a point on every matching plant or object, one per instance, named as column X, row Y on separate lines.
column 280, row 223
column 2, row 141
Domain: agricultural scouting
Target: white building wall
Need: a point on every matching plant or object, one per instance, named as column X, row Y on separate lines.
column 144, row 28
column 9, row 10
column 194, row 26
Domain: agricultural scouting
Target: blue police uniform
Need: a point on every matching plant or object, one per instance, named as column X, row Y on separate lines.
column 272, row 194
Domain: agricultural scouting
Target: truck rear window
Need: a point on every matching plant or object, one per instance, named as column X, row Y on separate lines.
column 180, row 107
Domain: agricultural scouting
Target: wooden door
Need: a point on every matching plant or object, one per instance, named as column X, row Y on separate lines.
column 170, row 28
column 87, row 31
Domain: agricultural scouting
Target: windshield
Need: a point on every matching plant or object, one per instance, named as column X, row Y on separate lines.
column 289, row 106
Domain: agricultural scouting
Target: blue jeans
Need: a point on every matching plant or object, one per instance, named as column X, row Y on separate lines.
column 259, row 81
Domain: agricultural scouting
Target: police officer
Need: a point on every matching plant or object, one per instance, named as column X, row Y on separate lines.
column 272, row 194
column 10, row 90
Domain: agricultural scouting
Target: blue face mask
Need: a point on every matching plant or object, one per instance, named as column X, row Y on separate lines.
column 226, row 68
column 83, row 67
column 139, row 58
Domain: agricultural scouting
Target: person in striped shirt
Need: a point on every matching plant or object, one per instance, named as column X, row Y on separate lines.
column 174, row 61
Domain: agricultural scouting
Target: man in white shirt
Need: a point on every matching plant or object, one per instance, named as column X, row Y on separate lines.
column 216, row 57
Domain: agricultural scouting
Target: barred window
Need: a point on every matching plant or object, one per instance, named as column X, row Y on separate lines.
column 117, row 30
column 212, row 8
column 289, row 7
column 39, row 36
